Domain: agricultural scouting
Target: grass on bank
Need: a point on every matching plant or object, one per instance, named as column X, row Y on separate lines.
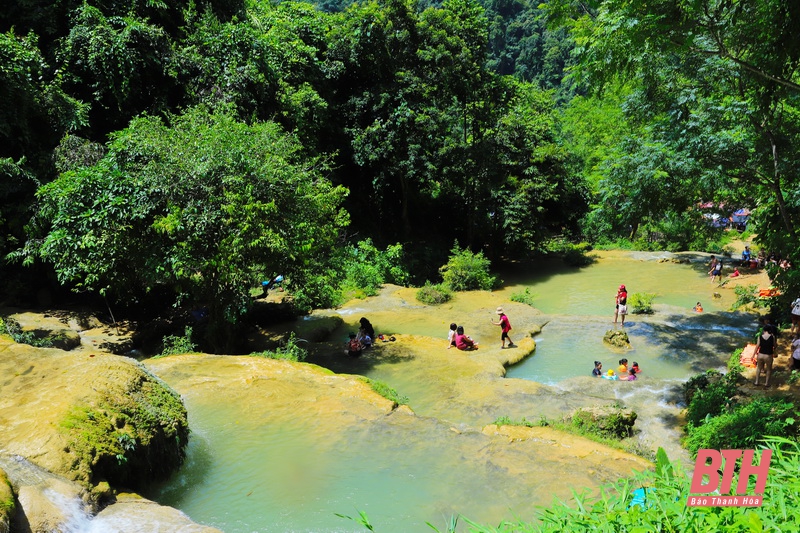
column 613, row 433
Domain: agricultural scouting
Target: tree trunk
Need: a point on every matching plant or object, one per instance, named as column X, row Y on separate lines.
column 776, row 187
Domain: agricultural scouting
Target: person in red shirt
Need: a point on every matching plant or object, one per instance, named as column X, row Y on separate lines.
column 505, row 327
column 621, row 308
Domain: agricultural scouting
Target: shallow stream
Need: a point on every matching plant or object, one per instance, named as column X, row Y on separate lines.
column 259, row 460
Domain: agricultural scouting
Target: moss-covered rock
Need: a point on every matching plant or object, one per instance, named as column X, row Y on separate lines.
column 89, row 416
column 7, row 503
column 610, row 421
column 617, row 338
column 128, row 436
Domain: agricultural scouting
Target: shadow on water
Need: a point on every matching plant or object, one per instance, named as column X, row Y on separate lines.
column 334, row 358
column 698, row 341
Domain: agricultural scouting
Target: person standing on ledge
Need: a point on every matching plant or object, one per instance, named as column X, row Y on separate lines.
column 621, row 308
column 505, row 327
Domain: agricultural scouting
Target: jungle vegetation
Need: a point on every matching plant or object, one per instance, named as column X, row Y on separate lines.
column 178, row 153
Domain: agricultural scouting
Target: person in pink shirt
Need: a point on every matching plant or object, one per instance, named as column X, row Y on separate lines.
column 505, row 327
column 464, row 342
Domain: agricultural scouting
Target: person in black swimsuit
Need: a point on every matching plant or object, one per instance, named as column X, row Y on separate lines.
column 765, row 348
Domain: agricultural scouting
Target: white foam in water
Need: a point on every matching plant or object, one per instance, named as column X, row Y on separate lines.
column 77, row 518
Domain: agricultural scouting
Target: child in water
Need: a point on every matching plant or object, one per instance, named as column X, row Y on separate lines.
column 598, row 369
column 698, row 307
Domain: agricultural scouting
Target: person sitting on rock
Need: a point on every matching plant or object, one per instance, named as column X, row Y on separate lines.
column 463, row 341
column 353, row 347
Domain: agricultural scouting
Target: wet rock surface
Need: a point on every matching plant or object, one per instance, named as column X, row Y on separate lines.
column 133, row 514
column 617, row 339
column 81, row 416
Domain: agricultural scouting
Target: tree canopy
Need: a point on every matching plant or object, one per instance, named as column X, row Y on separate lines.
column 203, row 204
column 502, row 125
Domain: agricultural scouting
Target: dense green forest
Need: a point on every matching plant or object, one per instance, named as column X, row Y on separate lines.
column 193, row 149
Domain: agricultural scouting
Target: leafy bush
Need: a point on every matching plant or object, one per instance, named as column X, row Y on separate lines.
column 747, row 295
column 524, row 297
column 367, row 268
column 708, row 394
column 734, row 365
column 174, row 345
column 434, row 294
column 641, row 303
column 466, row 271
column 572, row 254
column 290, row 351
column 12, row 328
column 319, row 291
column 744, row 425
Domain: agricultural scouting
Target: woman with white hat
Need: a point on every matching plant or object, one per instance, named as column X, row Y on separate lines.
column 505, row 327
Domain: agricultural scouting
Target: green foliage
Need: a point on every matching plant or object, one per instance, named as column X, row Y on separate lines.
column 571, row 253
column 507, row 421
column 289, row 351
column 747, row 296
column 614, row 425
column 13, row 329
column 320, row 289
column 204, row 205
column 734, row 364
column 793, row 378
column 709, row 394
column 361, row 519
column 8, row 503
column 430, row 294
column 641, row 303
column 524, row 297
column 367, row 268
column 467, row 271
column 451, row 527
column 386, row 391
column 176, row 345
column 117, row 63
column 744, row 425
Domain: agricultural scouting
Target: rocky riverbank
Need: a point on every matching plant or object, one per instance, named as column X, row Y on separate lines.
column 80, row 426
column 77, row 426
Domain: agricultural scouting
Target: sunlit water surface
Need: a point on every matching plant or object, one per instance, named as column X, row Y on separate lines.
column 249, row 470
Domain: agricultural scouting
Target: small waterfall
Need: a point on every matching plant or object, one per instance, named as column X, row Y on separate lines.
column 76, row 517
column 58, row 502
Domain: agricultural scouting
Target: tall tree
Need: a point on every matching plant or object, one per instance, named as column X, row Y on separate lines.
column 719, row 82
column 205, row 206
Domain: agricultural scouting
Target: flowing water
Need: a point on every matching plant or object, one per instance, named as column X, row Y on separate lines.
column 271, row 466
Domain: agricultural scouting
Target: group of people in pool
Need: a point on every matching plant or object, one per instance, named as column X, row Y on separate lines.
column 623, row 373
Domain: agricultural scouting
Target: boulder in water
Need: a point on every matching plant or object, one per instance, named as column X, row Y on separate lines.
column 607, row 421
column 617, row 338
